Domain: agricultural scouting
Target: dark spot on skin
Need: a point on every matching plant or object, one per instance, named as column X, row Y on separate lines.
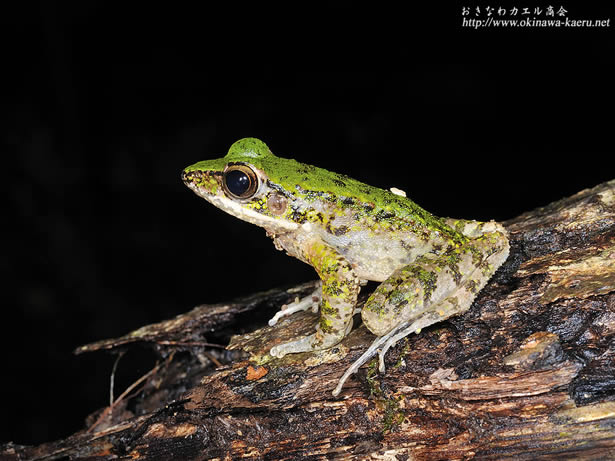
column 305, row 169
column 314, row 195
column 336, row 230
column 451, row 261
column 427, row 279
column 471, row 286
column 437, row 248
column 477, row 255
column 189, row 177
column 399, row 306
column 348, row 201
column 425, row 235
column 383, row 215
column 298, row 217
column 368, row 207
column 279, row 189
column 339, row 183
column 405, row 245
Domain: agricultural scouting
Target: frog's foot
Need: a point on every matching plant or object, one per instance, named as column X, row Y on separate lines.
column 309, row 302
column 446, row 298
column 382, row 344
column 429, row 318
column 314, row 342
column 367, row 355
column 304, row 344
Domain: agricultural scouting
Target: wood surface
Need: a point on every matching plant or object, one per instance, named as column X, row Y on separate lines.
column 527, row 373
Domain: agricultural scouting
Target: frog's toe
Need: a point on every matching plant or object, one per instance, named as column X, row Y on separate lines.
column 277, row 351
column 404, row 330
column 309, row 302
column 371, row 351
column 305, row 344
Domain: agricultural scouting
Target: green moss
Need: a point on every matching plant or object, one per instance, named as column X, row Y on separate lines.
column 372, row 382
column 393, row 415
column 403, row 353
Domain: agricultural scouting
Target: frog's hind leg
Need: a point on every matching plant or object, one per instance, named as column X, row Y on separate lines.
column 428, row 291
column 457, row 302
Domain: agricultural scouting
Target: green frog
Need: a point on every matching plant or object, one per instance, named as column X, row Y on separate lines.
column 430, row 268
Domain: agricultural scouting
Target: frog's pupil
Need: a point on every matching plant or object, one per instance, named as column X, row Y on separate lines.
column 237, row 182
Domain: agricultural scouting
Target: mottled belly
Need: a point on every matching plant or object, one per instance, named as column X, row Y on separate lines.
column 376, row 256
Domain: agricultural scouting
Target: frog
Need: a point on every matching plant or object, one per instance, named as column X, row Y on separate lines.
column 428, row 268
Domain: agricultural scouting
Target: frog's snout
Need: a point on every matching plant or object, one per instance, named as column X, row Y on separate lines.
column 188, row 177
column 203, row 183
column 194, row 179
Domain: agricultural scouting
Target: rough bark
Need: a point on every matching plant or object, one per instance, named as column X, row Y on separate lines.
column 527, row 373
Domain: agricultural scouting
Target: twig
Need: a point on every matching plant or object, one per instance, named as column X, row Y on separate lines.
column 112, row 377
column 190, row 344
column 109, row 409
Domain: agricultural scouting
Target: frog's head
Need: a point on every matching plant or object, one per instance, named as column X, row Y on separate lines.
column 240, row 184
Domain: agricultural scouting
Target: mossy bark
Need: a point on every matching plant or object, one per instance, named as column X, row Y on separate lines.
column 527, row 373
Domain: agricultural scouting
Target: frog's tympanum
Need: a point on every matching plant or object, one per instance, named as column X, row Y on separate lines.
column 431, row 268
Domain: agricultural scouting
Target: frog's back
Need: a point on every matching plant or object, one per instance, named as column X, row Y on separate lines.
column 377, row 240
column 311, row 183
column 376, row 230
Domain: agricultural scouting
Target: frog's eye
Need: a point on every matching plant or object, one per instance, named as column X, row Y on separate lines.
column 240, row 181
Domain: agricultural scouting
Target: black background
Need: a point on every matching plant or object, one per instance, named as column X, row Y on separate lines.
column 106, row 103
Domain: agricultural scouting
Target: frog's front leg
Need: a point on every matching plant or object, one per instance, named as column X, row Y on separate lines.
column 340, row 288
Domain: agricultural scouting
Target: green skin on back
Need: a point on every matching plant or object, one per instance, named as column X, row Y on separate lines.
column 430, row 267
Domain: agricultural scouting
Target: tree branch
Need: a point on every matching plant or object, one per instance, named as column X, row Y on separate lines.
column 527, row 373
